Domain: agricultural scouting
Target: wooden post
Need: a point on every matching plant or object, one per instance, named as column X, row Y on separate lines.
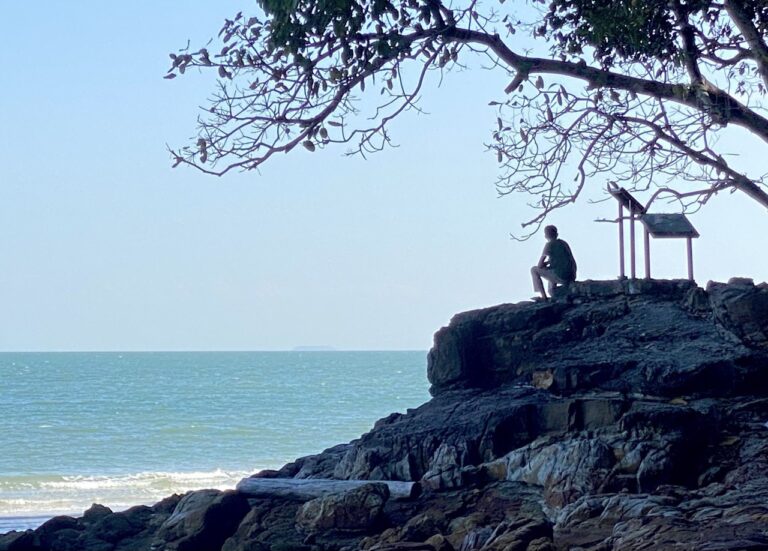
column 621, row 241
column 632, row 241
column 690, row 258
column 647, row 255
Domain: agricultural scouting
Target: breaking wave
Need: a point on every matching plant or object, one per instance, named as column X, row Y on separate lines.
column 55, row 494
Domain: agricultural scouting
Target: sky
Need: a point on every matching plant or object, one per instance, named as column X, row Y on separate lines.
column 103, row 246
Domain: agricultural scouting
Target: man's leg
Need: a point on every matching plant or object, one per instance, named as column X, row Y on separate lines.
column 538, row 285
column 553, row 281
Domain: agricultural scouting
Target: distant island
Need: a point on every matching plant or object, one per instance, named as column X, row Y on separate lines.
column 321, row 348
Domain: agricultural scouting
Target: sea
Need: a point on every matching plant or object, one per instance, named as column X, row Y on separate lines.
column 124, row 429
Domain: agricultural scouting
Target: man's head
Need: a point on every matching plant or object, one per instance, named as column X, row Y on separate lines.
column 550, row 232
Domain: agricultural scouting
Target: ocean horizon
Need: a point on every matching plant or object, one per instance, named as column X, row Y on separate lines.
column 130, row 428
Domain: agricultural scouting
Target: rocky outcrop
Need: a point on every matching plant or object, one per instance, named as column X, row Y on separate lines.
column 621, row 415
column 660, row 337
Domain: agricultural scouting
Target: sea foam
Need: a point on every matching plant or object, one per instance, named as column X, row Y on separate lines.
column 56, row 494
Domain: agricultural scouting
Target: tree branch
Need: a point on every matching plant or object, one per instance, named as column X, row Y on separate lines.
column 728, row 109
column 735, row 9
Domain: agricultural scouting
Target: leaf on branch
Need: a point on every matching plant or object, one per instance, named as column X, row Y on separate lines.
column 308, row 145
column 539, row 82
column 334, row 123
column 170, row 76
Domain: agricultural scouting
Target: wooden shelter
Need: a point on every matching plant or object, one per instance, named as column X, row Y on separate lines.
column 656, row 225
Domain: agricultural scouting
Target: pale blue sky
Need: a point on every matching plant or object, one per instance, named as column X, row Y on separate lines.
column 104, row 247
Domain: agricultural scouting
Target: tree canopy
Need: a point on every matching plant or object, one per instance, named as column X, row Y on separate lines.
column 638, row 91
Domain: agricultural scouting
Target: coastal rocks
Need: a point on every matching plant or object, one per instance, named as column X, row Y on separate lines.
column 742, row 308
column 476, row 517
column 99, row 529
column 640, row 336
column 202, row 521
column 355, row 510
column 17, row 541
column 624, row 415
column 269, row 524
column 645, row 521
column 565, row 469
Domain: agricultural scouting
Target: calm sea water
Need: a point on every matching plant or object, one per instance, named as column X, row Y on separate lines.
column 128, row 428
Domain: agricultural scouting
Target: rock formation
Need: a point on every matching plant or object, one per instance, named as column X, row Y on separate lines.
column 620, row 415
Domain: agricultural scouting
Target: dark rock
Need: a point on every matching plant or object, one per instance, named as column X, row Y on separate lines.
column 60, row 533
column 202, row 521
column 115, row 527
column 630, row 336
column 18, row 541
column 355, row 510
column 439, row 543
column 95, row 513
column 742, row 308
column 270, row 522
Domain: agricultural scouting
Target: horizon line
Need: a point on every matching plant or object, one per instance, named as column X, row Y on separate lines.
column 244, row 350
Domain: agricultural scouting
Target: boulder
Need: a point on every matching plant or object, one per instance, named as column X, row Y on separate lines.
column 60, row 533
column 358, row 509
column 95, row 513
column 269, row 523
column 17, row 541
column 202, row 521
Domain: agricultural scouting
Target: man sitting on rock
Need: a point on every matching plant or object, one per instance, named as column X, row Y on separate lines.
column 556, row 264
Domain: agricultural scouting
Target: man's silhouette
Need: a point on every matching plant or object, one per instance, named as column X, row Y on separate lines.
column 556, row 264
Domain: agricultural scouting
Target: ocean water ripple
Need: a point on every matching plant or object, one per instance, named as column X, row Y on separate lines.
column 123, row 429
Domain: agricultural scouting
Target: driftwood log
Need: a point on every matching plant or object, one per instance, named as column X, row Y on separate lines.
column 310, row 488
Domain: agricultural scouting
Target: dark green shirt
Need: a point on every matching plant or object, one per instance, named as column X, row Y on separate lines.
column 561, row 259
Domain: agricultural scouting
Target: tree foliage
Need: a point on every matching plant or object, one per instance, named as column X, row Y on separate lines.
column 637, row 91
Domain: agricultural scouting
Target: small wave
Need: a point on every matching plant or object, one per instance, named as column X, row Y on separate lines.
column 57, row 494
column 147, row 480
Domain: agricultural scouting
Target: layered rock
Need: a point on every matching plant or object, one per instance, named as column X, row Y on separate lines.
column 621, row 415
column 658, row 337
